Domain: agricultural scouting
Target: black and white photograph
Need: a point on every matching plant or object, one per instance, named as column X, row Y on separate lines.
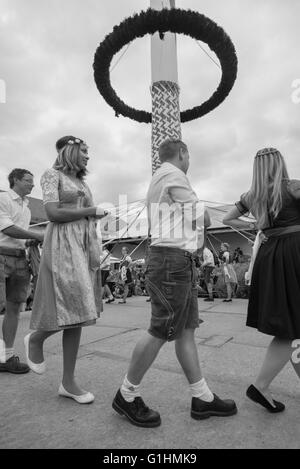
column 149, row 227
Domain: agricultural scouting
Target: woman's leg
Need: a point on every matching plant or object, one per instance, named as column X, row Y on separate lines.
column 278, row 354
column 107, row 291
column 126, row 291
column 36, row 343
column 71, row 341
column 229, row 290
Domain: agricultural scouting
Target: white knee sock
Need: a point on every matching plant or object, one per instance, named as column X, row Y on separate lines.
column 9, row 352
column 2, row 351
column 202, row 391
column 129, row 391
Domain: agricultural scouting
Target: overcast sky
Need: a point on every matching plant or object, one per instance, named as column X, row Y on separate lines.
column 46, row 54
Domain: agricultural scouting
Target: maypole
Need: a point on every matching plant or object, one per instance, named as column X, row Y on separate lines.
column 163, row 21
column 164, row 89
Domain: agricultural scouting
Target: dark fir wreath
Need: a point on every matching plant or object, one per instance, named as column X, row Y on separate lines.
column 174, row 20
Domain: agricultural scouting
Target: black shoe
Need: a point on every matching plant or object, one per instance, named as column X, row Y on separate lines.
column 209, row 299
column 227, row 301
column 148, row 300
column 13, row 365
column 137, row 412
column 109, row 301
column 203, row 410
column 255, row 395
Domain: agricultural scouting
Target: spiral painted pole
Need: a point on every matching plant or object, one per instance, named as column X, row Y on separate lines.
column 164, row 90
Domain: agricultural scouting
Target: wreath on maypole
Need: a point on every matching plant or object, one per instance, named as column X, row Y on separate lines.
column 174, row 20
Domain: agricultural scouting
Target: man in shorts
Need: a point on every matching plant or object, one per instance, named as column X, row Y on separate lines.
column 14, row 270
column 173, row 212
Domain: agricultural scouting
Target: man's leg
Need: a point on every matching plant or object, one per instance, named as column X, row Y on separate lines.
column 9, row 330
column 10, row 323
column 143, row 356
column 210, row 292
column 204, row 403
column 210, row 289
column 187, row 355
column 15, row 280
column 128, row 400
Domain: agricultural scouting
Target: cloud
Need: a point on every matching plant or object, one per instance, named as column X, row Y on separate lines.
column 47, row 51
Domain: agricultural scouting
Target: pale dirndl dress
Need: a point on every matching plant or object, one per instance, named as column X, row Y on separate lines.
column 228, row 269
column 68, row 291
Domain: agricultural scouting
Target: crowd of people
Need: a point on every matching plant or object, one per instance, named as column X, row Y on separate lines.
column 213, row 278
column 68, row 287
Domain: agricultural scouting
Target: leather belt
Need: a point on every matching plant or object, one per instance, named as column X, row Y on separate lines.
column 14, row 252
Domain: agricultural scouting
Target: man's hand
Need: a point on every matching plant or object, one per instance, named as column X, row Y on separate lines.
column 39, row 237
column 31, row 242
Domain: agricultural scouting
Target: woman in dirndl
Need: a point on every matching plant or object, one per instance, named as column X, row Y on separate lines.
column 68, row 293
column 229, row 273
column 274, row 301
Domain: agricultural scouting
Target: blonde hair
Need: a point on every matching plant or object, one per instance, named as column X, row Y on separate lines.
column 265, row 194
column 68, row 159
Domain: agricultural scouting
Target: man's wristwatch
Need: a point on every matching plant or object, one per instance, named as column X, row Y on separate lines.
column 252, row 226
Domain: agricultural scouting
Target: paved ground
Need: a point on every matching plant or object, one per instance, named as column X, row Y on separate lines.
column 33, row 416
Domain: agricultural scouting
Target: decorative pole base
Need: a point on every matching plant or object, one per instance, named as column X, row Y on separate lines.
column 165, row 116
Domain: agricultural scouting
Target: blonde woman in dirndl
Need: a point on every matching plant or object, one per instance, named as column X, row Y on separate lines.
column 68, row 293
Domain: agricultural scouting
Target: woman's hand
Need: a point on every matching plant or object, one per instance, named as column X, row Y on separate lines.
column 101, row 212
column 263, row 238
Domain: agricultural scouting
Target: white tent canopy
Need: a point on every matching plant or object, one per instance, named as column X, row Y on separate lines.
column 130, row 221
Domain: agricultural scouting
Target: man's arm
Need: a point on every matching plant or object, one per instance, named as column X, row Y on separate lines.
column 7, row 225
column 19, row 233
column 207, row 221
column 181, row 193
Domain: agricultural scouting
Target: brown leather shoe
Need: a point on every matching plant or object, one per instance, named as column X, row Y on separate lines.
column 13, row 365
column 137, row 412
column 203, row 410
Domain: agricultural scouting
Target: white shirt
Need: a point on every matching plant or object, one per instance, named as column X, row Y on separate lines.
column 13, row 211
column 175, row 214
column 208, row 258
